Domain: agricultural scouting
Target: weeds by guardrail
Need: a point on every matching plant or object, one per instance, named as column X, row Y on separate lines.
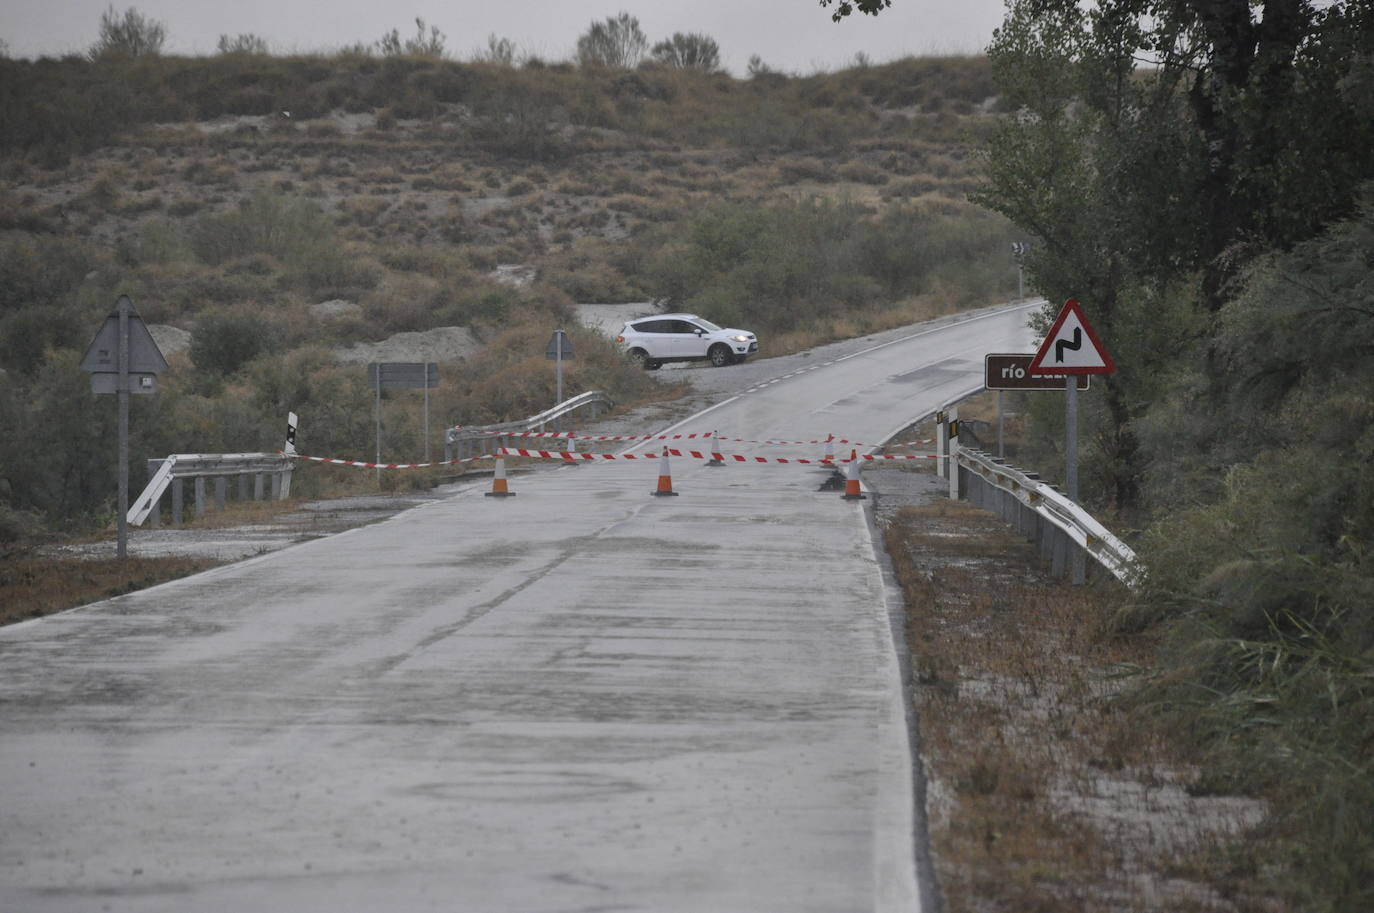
column 1045, row 516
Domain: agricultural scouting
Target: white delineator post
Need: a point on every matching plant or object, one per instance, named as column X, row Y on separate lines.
column 941, row 444
column 951, row 464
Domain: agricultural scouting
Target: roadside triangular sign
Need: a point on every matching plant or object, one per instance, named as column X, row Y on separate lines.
column 102, row 355
column 1071, row 346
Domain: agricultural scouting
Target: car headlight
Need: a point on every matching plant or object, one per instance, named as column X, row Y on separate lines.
column 740, row 338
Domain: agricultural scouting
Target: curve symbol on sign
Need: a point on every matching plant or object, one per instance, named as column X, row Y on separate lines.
column 1063, row 344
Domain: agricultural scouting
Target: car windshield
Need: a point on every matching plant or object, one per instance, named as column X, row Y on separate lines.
column 707, row 325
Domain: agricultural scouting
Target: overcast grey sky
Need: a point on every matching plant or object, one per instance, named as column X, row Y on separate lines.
column 791, row 35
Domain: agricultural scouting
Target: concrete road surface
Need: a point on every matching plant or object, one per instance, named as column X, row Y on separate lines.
column 579, row 698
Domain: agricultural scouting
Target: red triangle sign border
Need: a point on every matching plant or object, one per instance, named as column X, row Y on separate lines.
column 1071, row 307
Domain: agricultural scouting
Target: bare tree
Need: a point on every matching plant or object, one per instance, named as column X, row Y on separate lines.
column 618, row 43
column 500, row 51
column 689, row 52
column 243, row 43
column 425, row 43
column 758, row 69
column 130, row 35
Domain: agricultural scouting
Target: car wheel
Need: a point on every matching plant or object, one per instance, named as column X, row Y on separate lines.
column 639, row 358
column 720, row 355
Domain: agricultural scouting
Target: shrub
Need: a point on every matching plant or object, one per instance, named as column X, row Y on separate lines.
column 617, row 43
column 225, row 340
column 243, row 43
column 689, row 52
column 293, row 230
column 39, row 270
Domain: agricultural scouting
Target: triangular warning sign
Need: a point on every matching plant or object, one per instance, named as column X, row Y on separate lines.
column 1071, row 346
column 102, row 355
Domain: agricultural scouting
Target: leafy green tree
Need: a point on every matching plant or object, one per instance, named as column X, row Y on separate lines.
column 1138, row 180
column 129, row 35
column 845, row 7
column 1267, row 585
column 617, row 43
column 689, row 52
column 58, row 456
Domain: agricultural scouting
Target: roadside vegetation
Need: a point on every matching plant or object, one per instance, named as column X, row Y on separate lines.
column 280, row 209
column 1214, row 213
column 1046, row 790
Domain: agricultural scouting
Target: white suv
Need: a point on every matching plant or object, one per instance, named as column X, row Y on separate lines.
column 652, row 341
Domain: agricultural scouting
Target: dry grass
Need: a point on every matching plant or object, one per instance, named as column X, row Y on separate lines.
column 1043, row 793
column 33, row 586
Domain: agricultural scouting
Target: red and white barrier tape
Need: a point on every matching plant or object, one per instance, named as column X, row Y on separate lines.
column 567, row 456
column 365, row 465
column 573, row 435
column 589, row 437
column 577, row 456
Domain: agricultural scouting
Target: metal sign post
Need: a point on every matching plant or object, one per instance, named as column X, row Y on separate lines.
column 401, row 375
column 1071, row 347
column 124, row 305
column 123, row 359
column 559, row 348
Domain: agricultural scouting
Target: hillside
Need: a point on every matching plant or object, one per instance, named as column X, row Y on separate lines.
column 281, row 209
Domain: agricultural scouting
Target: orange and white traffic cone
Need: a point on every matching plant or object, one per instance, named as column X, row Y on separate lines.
column 572, row 456
column 851, row 483
column 715, row 459
column 498, row 481
column 665, row 478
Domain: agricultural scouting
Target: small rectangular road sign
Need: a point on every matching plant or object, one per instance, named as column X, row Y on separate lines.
column 403, row 375
column 1010, row 372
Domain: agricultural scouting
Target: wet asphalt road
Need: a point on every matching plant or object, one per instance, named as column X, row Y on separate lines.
column 579, row 698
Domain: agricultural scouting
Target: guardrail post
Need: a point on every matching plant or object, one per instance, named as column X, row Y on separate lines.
column 257, row 486
column 285, row 483
column 221, row 485
column 1028, row 514
column 1078, row 561
column 155, row 515
column 200, row 497
column 178, row 500
column 276, row 486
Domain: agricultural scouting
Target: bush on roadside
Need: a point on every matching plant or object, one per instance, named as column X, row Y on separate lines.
column 226, row 340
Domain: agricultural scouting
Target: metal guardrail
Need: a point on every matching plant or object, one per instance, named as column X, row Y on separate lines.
column 1043, row 515
column 176, row 468
column 465, row 441
column 1065, row 533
